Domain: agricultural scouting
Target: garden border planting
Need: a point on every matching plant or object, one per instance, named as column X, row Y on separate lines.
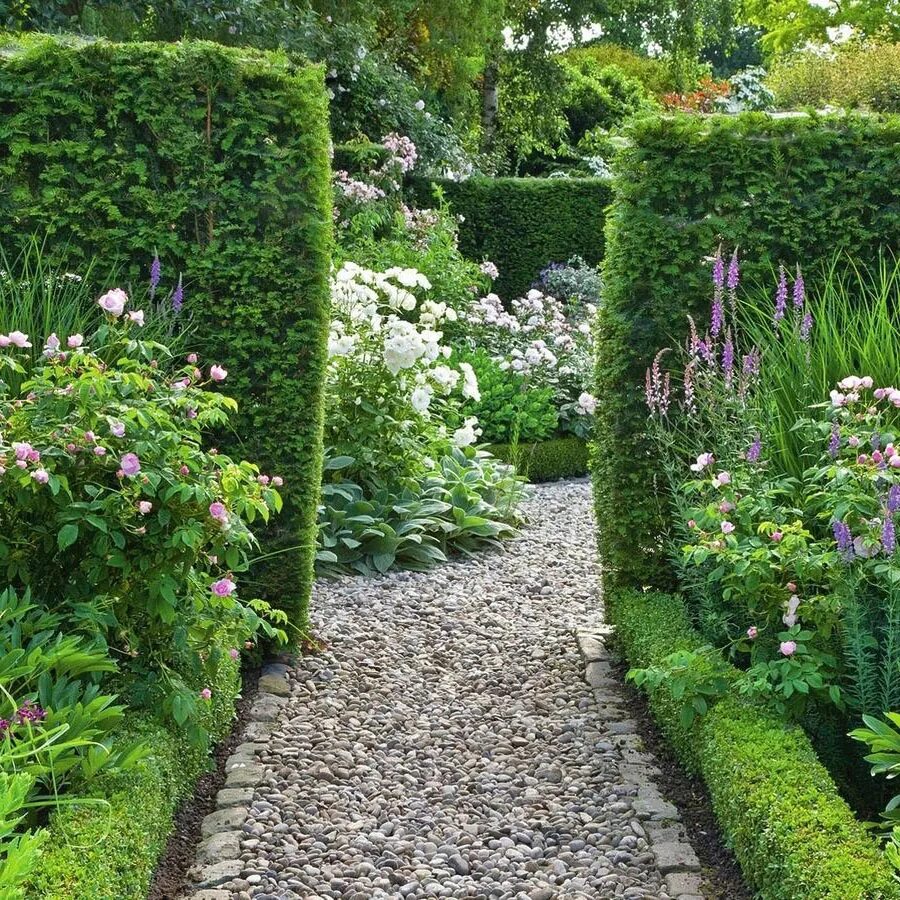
column 524, row 224
column 778, row 808
column 216, row 159
column 782, row 190
column 550, row 460
column 107, row 852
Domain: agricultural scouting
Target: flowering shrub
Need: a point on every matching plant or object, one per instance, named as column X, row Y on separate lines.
column 708, row 96
column 115, row 510
column 542, row 343
column 390, row 382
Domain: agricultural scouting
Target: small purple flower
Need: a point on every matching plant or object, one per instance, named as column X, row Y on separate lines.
column 834, row 444
column 888, row 536
column 799, row 289
column 754, row 450
column 178, row 296
column 718, row 270
column 751, row 363
column 842, row 536
column 806, row 325
column 734, row 272
column 717, row 317
column 155, row 273
column 893, row 498
column 728, row 359
column 30, row 712
column 875, row 440
column 781, row 295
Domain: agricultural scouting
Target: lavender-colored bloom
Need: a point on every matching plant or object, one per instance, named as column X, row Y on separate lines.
column 888, row 536
column 893, row 498
column 155, row 274
column 834, row 445
column 718, row 270
column 734, row 272
column 689, row 398
column 30, row 712
column 752, row 363
column 728, row 359
column 717, row 318
column 799, row 289
column 754, row 450
column 842, row 536
column 781, row 295
column 178, row 297
column 806, row 326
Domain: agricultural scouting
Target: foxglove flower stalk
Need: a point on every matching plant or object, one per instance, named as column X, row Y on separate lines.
column 155, row 274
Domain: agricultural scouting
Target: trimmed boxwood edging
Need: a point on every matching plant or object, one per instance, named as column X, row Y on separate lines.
column 216, row 158
column 109, row 852
column 794, row 836
column 523, row 224
column 565, row 457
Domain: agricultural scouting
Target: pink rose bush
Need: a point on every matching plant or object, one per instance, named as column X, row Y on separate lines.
column 115, row 511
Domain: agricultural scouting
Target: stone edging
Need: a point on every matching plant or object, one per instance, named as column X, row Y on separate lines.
column 218, row 857
column 660, row 820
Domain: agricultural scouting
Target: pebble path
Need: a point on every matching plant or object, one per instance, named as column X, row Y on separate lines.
column 446, row 743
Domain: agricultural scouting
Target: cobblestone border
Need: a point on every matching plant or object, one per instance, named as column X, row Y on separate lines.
column 218, row 858
column 659, row 819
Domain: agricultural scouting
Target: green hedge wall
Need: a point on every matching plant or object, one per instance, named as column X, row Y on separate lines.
column 549, row 460
column 523, row 224
column 793, row 835
column 109, row 850
column 791, row 190
column 218, row 159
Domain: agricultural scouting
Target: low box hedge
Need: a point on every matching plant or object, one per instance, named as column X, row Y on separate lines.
column 565, row 457
column 109, row 850
column 793, row 835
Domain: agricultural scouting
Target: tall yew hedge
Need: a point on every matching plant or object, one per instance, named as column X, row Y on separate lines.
column 782, row 190
column 217, row 158
column 523, row 224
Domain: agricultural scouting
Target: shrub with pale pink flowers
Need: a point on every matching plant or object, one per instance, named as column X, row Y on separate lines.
column 117, row 516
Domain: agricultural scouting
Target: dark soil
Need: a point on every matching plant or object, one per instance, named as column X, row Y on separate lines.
column 721, row 872
column 171, row 871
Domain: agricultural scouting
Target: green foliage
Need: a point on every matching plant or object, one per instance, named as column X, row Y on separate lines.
column 19, row 852
column 650, row 71
column 216, row 158
column 565, row 457
column 466, row 502
column 855, row 75
column 509, row 408
column 684, row 185
column 108, row 849
column 791, row 832
column 521, row 224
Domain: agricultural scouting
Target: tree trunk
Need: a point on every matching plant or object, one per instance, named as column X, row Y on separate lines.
column 489, row 106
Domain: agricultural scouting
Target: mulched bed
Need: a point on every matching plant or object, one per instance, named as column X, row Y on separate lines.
column 171, row 871
column 721, row 872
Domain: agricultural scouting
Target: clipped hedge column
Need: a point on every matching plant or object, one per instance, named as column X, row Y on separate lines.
column 217, row 158
column 781, row 190
column 523, row 224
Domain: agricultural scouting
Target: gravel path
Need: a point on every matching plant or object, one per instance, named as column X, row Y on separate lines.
column 446, row 744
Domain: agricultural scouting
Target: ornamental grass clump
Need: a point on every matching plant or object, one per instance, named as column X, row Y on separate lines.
column 116, row 513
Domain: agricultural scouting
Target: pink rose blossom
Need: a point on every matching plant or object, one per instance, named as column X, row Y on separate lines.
column 137, row 316
column 130, row 464
column 877, row 456
column 90, row 437
column 22, row 449
column 217, row 511
column 862, row 459
column 191, row 414
column 19, row 339
column 192, row 358
column 113, row 302
column 727, row 527
column 277, row 481
column 41, row 476
column 218, row 373
column 205, row 694
column 777, row 536
column 752, row 632
column 788, row 648
column 117, row 428
column 72, row 448
column 722, row 479
column 691, row 524
column 74, row 341
column 21, row 464
column 263, row 479
column 224, row 587
column 234, row 653
column 99, row 451
column 791, row 587
column 184, row 470
column 144, row 507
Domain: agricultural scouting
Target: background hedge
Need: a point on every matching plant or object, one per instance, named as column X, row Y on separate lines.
column 549, row 460
column 793, row 835
column 791, row 190
column 217, row 158
column 523, row 224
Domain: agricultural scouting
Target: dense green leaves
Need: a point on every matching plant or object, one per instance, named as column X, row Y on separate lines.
column 217, row 159
column 789, row 191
